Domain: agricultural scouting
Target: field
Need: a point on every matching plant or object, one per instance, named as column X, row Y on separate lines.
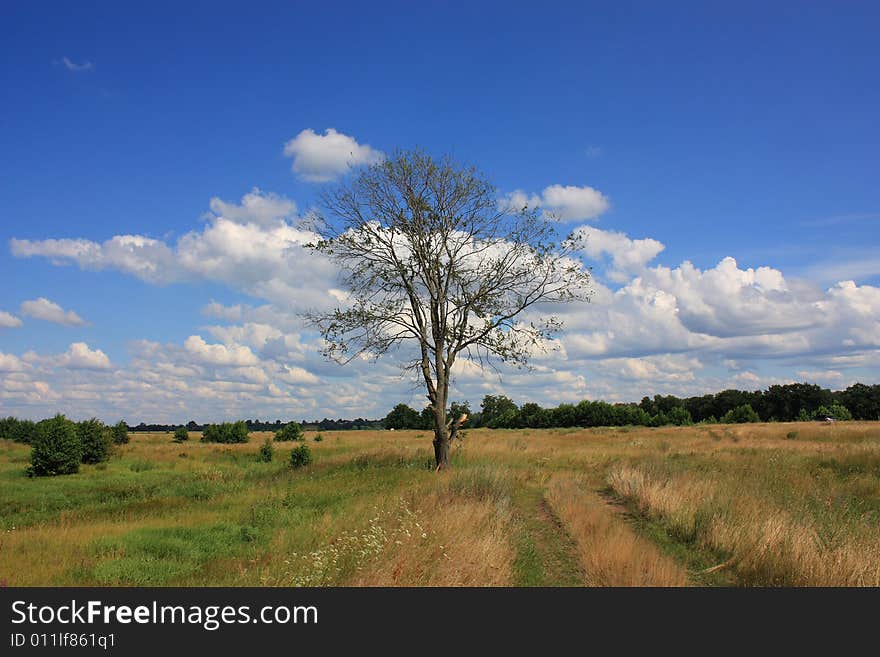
column 795, row 504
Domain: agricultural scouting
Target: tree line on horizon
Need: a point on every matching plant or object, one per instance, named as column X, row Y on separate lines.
column 252, row 425
column 779, row 403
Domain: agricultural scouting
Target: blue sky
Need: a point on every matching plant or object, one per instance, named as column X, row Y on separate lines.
column 740, row 130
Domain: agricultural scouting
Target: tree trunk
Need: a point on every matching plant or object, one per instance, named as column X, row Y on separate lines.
column 441, row 431
column 441, row 448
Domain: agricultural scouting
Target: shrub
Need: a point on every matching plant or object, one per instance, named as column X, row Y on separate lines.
column 319, row 438
column 120, row 433
column 266, row 452
column 300, row 456
column 290, row 431
column 95, row 440
column 740, row 415
column 835, row 412
column 227, row 432
column 791, row 435
column 660, row 420
column 181, row 435
column 56, row 448
column 238, row 432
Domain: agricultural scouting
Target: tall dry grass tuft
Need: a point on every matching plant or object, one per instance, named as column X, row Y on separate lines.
column 678, row 501
column 462, row 543
column 768, row 545
column 610, row 552
column 771, row 548
column 462, row 537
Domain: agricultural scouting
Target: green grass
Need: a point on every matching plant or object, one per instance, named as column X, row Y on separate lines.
column 151, row 557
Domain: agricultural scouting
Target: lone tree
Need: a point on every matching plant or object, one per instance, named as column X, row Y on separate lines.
column 430, row 258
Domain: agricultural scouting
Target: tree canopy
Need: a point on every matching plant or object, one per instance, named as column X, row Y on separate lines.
column 429, row 257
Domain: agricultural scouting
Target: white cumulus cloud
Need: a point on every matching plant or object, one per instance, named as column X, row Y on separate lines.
column 627, row 255
column 219, row 354
column 49, row 311
column 11, row 363
column 256, row 207
column 561, row 202
column 8, row 320
column 80, row 356
column 321, row 158
column 263, row 259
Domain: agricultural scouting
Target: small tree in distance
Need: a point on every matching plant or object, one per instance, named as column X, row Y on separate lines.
column 225, row 432
column 300, row 457
column 95, row 440
column 266, row 451
column 120, row 433
column 403, row 417
column 432, row 260
column 181, row 435
column 290, row 431
column 740, row 415
column 835, row 412
column 56, row 448
column 493, row 407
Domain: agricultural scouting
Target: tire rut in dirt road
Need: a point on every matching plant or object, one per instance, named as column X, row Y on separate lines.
column 546, row 554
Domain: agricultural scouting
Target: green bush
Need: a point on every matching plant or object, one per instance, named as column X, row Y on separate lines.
column 290, row 431
column 266, row 452
column 227, row 432
column 95, row 440
column 56, row 448
column 319, row 438
column 300, row 456
column 835, row 412
column 120, row 433
column 740, row 415
column 211, row 433
column 660, row 420
column 181, row 435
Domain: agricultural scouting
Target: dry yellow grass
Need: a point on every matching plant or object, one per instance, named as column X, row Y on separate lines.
column 612, row 554
column 766, row 544
column 457, row 542
column 675, row 500
column 769, row 546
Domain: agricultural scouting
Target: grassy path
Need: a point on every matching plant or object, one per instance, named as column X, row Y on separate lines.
column 545, row 553
column 700, row 562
